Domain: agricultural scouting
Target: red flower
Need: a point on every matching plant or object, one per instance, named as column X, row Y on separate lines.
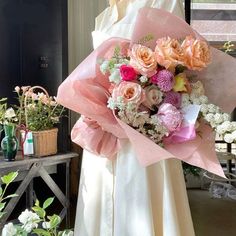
column 127, row 73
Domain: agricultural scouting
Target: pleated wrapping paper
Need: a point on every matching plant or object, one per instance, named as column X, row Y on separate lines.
column 86, row 91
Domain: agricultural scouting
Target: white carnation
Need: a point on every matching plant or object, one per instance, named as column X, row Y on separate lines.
column 46, row 225
column 228, row 138
column 104, row 67
column 115, row 76
column 9, row 230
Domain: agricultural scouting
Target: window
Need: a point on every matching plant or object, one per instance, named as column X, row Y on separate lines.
column 215, row 20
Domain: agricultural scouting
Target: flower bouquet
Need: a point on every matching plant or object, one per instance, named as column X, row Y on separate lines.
column 160, row 90
column 38, row 113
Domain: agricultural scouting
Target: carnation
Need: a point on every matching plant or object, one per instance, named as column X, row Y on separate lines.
column 164, row 80
column 173, row 98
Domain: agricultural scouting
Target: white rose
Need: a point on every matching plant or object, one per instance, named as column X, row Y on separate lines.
column 30, row 226
column 27, row 216
column 9, row 230
column 228, row 138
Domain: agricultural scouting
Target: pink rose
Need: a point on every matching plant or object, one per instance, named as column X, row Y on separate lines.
column 142, row 59
column 170, row 116
column 196, row 53
column 129, row 91
column 127, row 73
column 168, row 53
column 153, row 96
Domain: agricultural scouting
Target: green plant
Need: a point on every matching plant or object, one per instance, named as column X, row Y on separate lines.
column 36, row 221
column 37, row 111
column 6, row 181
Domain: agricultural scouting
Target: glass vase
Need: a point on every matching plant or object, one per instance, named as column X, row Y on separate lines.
column 9, row 143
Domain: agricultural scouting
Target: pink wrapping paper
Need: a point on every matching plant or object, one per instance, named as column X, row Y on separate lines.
column 86, row 92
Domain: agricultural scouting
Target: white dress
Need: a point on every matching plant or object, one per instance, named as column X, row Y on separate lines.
column 121, row 198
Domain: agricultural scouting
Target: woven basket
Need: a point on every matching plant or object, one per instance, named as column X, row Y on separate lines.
column 45, row 141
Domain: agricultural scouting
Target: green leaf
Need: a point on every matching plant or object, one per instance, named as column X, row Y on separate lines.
column 2, row 214
column 55, row 220
column 41, row 232
column 1, row 191
column 9, row 178
column 37, row 203
column 2, row 205
column 48, row 202
column 11, row 195
column 40, row 211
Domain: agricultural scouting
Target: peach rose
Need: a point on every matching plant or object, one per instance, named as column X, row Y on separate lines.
column 129, row 91
column 153, row 96
column 168, row 53
column 196, row 53
column 142, row 59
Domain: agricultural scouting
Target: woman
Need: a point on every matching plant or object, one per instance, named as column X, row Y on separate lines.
column 119, row 197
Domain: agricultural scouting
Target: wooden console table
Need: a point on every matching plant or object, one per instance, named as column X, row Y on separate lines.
column 31, row 167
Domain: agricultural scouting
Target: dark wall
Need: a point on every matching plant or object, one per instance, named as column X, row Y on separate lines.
column 33, row 47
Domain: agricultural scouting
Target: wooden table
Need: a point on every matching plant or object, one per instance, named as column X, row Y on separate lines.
column 31, row 167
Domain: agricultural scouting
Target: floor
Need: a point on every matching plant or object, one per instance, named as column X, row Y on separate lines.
column 212, row 217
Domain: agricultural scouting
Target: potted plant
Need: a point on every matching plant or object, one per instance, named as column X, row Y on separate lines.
column 39, row 113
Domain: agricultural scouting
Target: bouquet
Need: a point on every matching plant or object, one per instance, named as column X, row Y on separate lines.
column 158, row 90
